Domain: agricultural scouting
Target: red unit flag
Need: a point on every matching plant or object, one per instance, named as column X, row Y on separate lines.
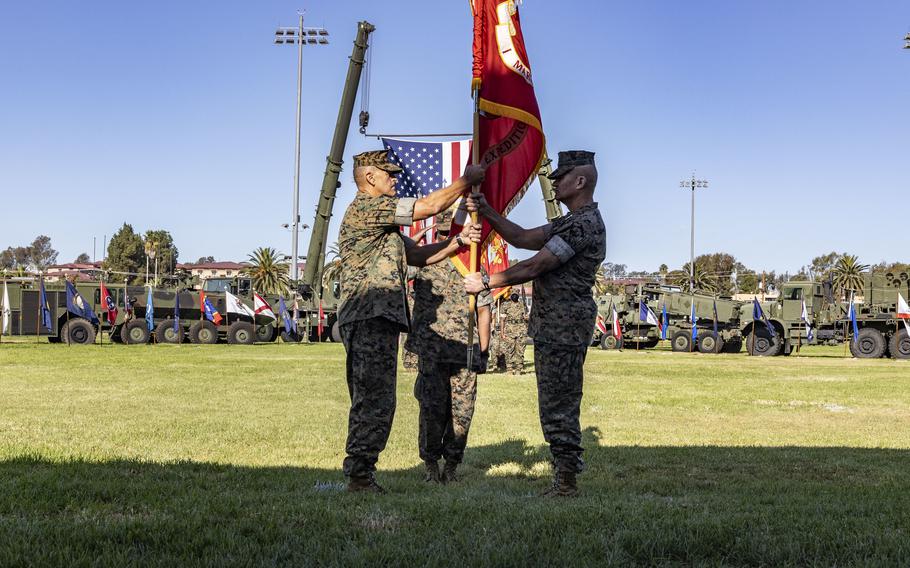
column 511, row 139
column 495, row 258
column 108, row 304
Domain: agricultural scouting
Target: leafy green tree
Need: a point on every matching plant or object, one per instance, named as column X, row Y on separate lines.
column 822, row 267
column 205, row 259
column 848, row 274
column 125, row 254
column 723, row 268
column 165, row 251
column 82, row 259
column 8, row 259
column 268, row 274
column 41, row 254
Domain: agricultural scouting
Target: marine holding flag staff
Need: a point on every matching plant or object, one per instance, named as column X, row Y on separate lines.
column 563, row 313
column 374, row 307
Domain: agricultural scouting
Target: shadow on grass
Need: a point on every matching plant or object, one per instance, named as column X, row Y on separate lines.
column 651, row 505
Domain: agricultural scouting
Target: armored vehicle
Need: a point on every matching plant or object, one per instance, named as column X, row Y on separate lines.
column 640, row 334
column 880, row 333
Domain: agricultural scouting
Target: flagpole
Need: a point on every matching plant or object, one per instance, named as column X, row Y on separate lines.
column 754, row 335
column 101, row 327
column 475, row 159
column 38, row 324
column 68, row 314
column 638, row 326
column 254, row 308
column 692, row 311
column 3, row 313
column 847, row 339
column 799, row 338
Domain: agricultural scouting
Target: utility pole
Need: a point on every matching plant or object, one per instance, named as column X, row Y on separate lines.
column 692, row 185
column 299, row 36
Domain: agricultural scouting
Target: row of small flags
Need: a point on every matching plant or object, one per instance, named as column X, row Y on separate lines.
column 77, row 304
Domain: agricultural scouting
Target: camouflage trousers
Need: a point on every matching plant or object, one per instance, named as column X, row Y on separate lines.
column 372, row 364
column 408, row 358
column 559, row 390
column 514, row 351
column 508, row 353
column 446, row 393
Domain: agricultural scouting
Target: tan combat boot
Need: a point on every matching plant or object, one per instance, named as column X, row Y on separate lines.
column 448, row 473
column 563, row 485
column 364, row 484
column 432, row 472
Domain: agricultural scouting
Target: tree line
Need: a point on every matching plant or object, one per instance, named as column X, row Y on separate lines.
column 722, row 274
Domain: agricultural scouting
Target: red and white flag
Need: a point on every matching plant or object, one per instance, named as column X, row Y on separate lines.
column 617, row 328
column 262, row 308
column 601, row 324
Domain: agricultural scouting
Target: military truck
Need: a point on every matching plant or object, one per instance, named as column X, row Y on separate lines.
column 880, row 332
column 66, row 326
column 642, row 335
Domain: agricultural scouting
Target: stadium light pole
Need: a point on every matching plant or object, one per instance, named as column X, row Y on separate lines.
column 299, row 36
column 907, row 42
column 692, row 184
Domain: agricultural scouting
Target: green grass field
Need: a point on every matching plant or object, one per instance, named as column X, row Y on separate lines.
column 220, row 455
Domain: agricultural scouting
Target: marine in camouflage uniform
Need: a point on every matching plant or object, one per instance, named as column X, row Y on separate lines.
column 374, row 308
column 564, row 313
column 514, row 334
column 408, row 357
column 445, row 388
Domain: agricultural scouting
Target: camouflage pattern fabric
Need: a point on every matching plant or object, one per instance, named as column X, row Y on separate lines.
column 440, row 324
column 409, row 358
column 514, row 335
column 445, row 389
column 445, row 393
column 497, row 363
column 373, row 266
column 372, row 363
column 564, row 311
column 562, row 324
column 559, row 389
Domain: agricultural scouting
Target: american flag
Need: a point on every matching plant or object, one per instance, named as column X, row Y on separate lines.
column 427, row 166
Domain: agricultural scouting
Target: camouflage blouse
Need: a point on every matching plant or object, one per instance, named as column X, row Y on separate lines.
column 440, row 325
column 563, row 310
column 373, row 265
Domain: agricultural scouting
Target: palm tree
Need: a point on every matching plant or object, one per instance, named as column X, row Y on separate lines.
column 331, row 274
column 704, row 282
column 268, row 274
column 600, row 281
column 848, row 273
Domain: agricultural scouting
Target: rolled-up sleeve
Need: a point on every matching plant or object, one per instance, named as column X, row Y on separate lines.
column 404, row 211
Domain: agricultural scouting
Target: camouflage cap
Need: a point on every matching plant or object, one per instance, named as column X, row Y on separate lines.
column 571, row 159
column 376, row 158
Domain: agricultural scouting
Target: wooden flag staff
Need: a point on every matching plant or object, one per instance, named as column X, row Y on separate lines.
column 475, row 190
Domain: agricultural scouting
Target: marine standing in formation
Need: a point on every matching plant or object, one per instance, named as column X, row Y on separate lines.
column 374, row 308
column 511, row 338
column 446, row 386
column 564, row 312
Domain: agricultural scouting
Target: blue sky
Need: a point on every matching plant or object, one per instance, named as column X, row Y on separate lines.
column 180, row 116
